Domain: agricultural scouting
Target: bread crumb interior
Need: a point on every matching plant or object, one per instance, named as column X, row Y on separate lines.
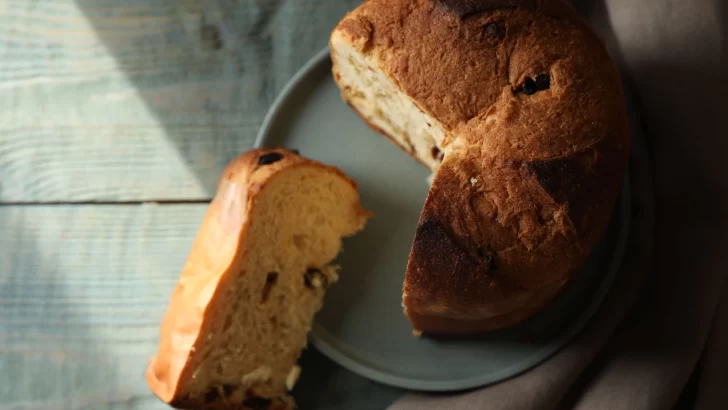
column 371, row 93
column 269, row 295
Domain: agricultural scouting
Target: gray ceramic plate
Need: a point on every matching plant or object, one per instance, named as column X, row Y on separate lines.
column 362, row 326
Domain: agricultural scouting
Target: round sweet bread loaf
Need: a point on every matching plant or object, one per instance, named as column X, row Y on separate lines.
column 257, row 273
column 517, row 108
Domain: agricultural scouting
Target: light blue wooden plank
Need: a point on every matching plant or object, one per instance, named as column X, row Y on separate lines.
column 82, row 291
column 134, row 100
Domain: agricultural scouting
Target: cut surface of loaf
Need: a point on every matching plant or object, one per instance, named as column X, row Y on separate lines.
column 518, row 110
column 256, row 275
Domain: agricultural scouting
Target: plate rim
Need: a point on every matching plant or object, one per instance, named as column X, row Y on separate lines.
column 299, row 76
column 362, row 368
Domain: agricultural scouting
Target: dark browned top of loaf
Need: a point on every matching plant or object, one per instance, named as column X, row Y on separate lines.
column 461, row 69
column 536, row 105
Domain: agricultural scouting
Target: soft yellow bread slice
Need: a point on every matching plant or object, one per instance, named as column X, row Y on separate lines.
column 257, row 273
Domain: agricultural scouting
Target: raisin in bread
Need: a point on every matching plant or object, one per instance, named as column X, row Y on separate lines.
column 257, row 272
column 518, row 110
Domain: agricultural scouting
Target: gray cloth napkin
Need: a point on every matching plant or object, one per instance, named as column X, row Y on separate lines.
column 661, row 315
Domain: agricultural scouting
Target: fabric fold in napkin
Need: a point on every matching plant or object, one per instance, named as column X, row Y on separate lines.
column 661, row 314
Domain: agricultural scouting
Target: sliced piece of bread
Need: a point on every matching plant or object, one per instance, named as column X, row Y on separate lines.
column 257, row 273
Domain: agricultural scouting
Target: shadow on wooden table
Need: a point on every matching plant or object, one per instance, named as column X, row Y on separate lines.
column 208, row 71
column 49, row 323
column 326, row 386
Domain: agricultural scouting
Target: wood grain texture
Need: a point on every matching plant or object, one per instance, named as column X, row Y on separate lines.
column 82, row 291
column 133, row 100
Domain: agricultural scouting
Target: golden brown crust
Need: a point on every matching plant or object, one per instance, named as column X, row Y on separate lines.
column 210, row 260
column 535, row 104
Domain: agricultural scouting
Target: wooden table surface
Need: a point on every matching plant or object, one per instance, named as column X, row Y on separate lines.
column 116, row 119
